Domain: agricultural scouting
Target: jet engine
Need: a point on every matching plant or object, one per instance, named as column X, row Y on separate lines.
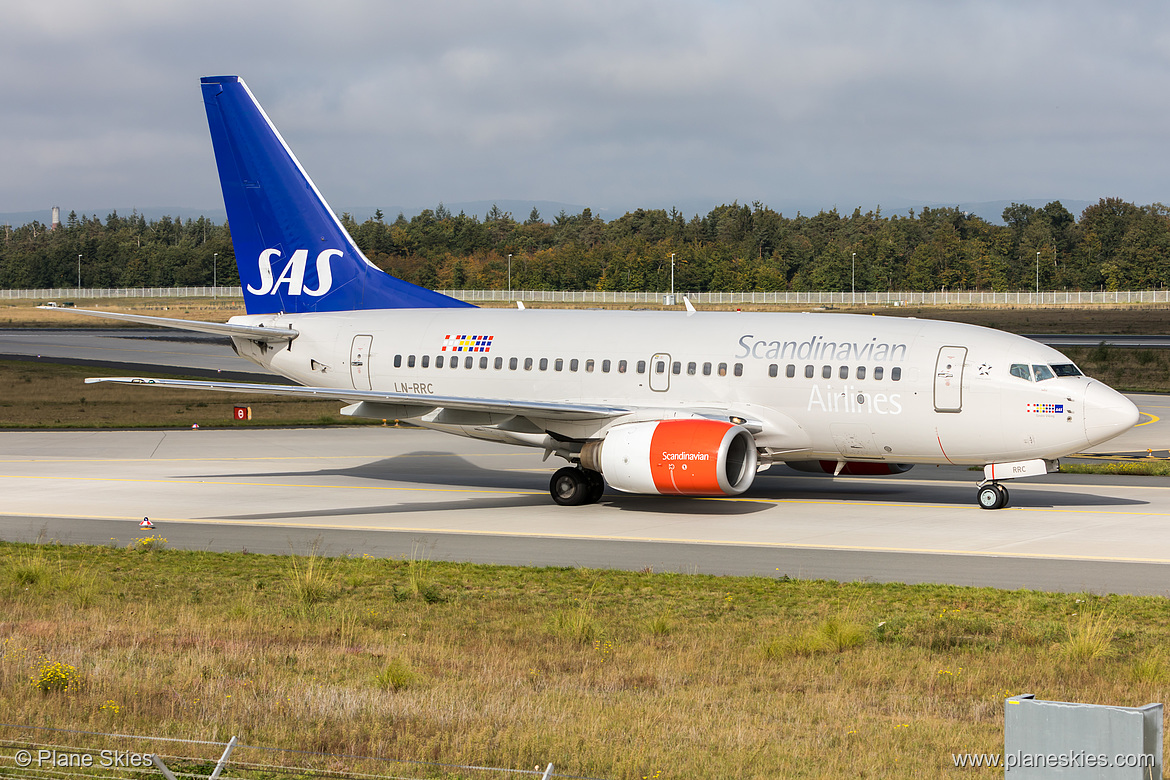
column 690, row 457
column 853, row 468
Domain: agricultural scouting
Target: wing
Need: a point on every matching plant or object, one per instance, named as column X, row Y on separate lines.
column 418, row 404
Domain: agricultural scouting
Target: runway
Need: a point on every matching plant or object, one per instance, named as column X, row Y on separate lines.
column 404, row 492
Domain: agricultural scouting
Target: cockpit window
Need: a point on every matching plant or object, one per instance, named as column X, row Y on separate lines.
column 1066, row 369
column 1022, row 371
column 1042, row 372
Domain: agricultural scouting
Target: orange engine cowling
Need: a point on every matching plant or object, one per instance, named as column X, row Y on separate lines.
column 688, row 457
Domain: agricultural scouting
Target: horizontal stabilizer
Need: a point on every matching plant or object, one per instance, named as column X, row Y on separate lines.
column 251, row 332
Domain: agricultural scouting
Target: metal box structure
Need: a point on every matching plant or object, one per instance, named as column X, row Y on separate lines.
column 1055, row 739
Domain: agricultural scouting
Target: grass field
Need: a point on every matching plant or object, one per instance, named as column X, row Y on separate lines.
column 607, row 674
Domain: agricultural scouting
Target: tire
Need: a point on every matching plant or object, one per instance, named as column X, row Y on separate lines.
column 569, row 486
column 992, row 496
column 596, row 487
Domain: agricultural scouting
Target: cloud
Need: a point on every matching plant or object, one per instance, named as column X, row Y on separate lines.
column 607, row 103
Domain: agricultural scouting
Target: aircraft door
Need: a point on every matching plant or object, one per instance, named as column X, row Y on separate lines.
column 948, row 379
column 359, row 362
column 660, row 372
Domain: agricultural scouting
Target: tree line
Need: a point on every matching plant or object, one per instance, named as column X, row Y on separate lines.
column 1113, row 245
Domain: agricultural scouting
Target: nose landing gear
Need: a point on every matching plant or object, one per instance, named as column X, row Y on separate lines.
column 992, row 495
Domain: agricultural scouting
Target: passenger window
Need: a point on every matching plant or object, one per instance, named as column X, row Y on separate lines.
column 468, row 361
column 573, row 363
column 527, row 364
column 773, row 370
column 1022, row 371
column 878, row 371
column 1042, row 372
column 706, row 369
column 860, row 372
column 513, row 363
column 398, row 361
column 544, row 364
column 454, row 362
column 439, row 361
column 895, row 374
column 499, row 363
column 808, row 372
column 827, row 372
column 660, row 367
column 621, row 366
column 410, row 361
column 605, row 364
column 692, row 369
column 641, row 366
column 482, row 363
column 676, row 368
column 426, row 360
column 589, row 366
column 559, row 364
column 843, row 373
column 739, row 369
column 722, row 369
column 790, row 371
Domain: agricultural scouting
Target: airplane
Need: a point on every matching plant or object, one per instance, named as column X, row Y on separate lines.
column 685, row 403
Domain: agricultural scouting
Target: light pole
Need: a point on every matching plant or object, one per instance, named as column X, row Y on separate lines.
column 509, row 276
column 79, row 272
column 672, row 278
column 1037, row 273
column 214, row 270
column 853, row 280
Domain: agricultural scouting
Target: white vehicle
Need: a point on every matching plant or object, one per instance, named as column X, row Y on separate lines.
column 684, row 403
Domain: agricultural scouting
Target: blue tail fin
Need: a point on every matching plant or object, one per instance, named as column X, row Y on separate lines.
column 291, row 250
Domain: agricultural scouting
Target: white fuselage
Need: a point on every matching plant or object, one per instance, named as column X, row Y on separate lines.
column 815, row 386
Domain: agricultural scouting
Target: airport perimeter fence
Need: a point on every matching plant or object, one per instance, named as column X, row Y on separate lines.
column 936, row 298
column 44, row 752
column 62, row 294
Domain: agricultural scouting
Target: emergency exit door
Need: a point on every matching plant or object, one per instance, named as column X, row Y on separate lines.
column 660, row 372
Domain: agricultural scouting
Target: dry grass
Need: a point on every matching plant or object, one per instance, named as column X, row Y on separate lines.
column 1110, row 319
column 1126, row 368
column 25, row 314
column 499, row 671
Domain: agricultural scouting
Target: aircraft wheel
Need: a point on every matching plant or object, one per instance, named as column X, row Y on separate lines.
column 569, row 486
column 596, row 486
column 993, row 496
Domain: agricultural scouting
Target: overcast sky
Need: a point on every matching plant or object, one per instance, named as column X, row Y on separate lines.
column 612, row 104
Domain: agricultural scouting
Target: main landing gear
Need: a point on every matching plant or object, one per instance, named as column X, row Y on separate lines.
column 992, row 495
column 573, row 486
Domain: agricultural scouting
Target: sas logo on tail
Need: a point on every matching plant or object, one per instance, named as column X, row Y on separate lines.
column 293, row 273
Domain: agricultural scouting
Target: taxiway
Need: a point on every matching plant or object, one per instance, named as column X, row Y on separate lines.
column 404, row 492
